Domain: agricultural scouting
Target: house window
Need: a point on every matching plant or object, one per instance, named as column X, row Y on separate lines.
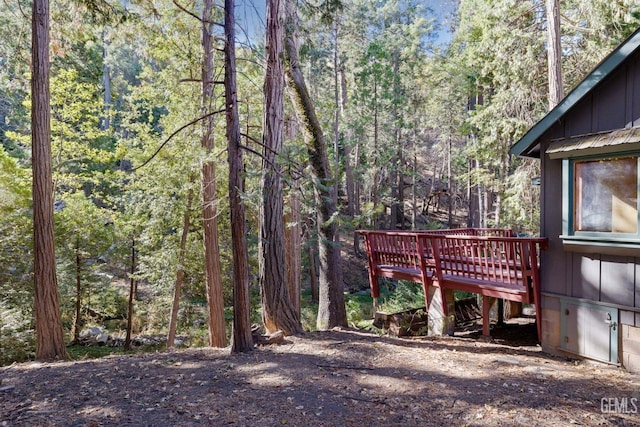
column 606, row 196
column 600, row 186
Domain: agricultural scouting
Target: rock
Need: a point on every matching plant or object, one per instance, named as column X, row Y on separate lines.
column 91, row 332
column 102, row 338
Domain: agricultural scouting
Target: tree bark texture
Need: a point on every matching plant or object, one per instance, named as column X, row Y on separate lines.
column 397, row 190
column 215, row 301
column 313, row 275
column 554, row 54
column 177, row 288
column 242, row 339
column 77, row 324
column 277, row 313
column 132, row 286
column 331, row 308
column 293, row 243
column 48, row 324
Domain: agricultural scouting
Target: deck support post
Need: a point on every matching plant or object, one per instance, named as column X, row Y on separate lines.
column 441, row 317
column 486, row 319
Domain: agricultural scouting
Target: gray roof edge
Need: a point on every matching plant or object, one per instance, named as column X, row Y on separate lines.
column 602, row 70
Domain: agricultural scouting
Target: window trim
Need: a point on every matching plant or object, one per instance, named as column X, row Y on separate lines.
column 594, row 240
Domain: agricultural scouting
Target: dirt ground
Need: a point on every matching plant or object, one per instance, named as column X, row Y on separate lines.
column 335, row 378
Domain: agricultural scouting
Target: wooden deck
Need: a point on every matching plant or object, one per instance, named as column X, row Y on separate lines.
column 490, row 262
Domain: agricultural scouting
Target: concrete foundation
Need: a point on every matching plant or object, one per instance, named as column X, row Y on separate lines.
column 439, row 324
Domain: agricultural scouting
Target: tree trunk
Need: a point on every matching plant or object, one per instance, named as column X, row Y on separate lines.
column 331, row 308
column 336, row 112
column 78, row 321
column 313, row 275
column 414, row 180
column 293, row 242
column 449, row 183
column 554, row 54
column 356, row 196
column 397, row 190
column 242, row 340
column 481, row 209
column 215, row 301
column 348, row 169
column 48, row 324
column 376, row 168
column 471, row 205
column 132, row 285
column 106, row 83
column 277, row 313
column 177, row 288
column 399, row 181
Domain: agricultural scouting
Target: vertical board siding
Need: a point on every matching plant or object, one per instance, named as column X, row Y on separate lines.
column 636, row 300
column 553, row 269
column 609, row 101
column 634, row 74
column 586, row 277
column 613, row 104
column 580, row 120
column 617, row 280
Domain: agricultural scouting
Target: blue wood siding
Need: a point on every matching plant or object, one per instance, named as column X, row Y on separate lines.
column 617, row 280
column 634, row 81
column 609, row 101
column 609, row 279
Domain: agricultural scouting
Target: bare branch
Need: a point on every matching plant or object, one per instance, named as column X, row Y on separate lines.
column 194, row 80
column 252, row 151
column 252, row 139
column 298, row 173
column 181, row 128
column 24, row 15
column 188, row 12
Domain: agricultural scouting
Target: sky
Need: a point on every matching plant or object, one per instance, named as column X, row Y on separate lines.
column 250, row 16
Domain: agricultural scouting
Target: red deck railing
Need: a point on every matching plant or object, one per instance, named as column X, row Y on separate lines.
column 490, row 262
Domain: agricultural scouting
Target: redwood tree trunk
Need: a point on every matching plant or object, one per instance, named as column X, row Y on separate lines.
column 293, row 246
column 242, row 340
column 331, row 308
column 48, row 324
column 215, row 301
column 277, row 313
column 554, row 55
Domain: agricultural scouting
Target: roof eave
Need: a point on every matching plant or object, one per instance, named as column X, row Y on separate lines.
column 528, row 141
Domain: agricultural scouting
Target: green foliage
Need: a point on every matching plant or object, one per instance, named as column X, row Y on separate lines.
column 15, row 232
column 359, row 310
column 17, row 337
column 83, row 352
column 309, row 311
column 405, row 296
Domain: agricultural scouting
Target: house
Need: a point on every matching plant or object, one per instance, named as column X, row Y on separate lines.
column 589, row 151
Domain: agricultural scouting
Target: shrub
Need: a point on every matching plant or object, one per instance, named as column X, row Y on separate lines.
column 17, row 337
